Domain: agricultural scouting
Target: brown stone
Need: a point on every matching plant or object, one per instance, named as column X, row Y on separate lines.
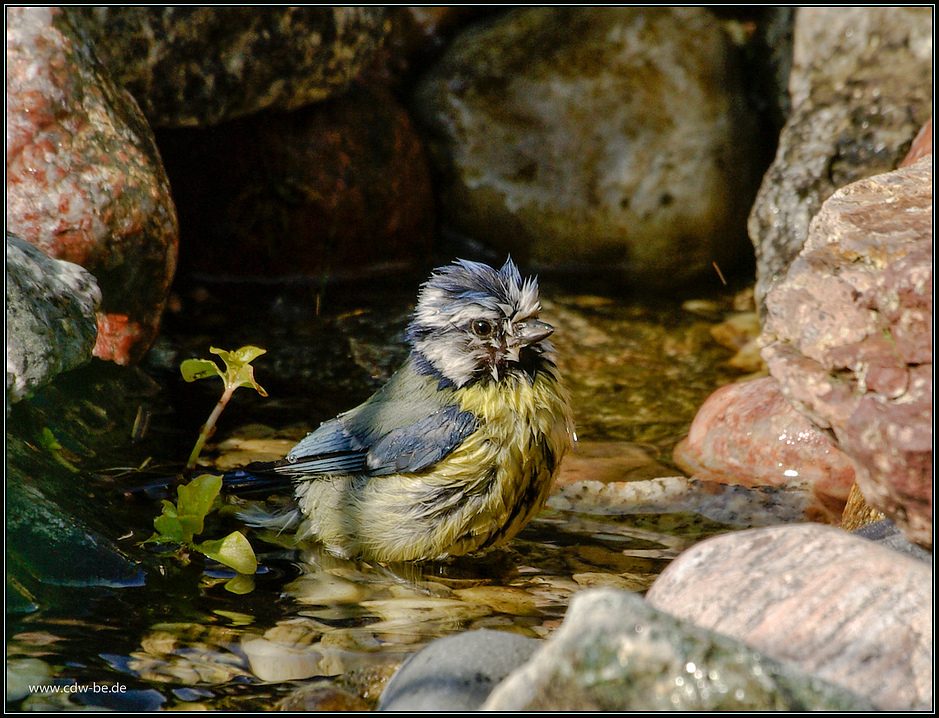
column 341, row 185
column 748, row 434
column 608, row 140
column 849, row 337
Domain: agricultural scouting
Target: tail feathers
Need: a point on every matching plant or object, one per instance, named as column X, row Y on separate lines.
column 255, row 477
column 287, row 519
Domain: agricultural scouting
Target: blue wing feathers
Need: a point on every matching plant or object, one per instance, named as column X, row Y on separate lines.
column 337, row 449
column 418, row 446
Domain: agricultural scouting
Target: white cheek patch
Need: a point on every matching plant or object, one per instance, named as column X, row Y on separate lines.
column 453, row 359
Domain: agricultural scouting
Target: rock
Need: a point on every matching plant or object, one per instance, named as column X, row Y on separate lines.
column 84, row 179
column 322, row 697
column 456, row 673
column 616, row 653
column 278, row 661
column 748, row 434
column 861, row 86
column 727, row 504
column 922, row 145
column 197, row 66
column 24, row 675
column 848, row 337
column 64, row 546
column 613, row 139
column 886, row 533
column 51, row 548
column 50, row 317
column 838, row 606
column 335, row 187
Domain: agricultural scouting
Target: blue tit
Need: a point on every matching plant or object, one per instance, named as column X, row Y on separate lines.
column 458, row 451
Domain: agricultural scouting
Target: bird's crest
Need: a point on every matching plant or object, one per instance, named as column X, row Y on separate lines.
column 466, row 283
column 470, row 320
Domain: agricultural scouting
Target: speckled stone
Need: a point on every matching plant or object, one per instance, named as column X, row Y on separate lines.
column 748, row 434
column 194, row 66
column 848, row 337
column 84, row 178
column 840, row 607
column 50, row 313
column 861, row 87
column 614, row 652
column 728, row 504
column 612, row 139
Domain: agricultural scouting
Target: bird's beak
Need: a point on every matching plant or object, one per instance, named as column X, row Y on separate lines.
column 526, row 333
column 533, row 331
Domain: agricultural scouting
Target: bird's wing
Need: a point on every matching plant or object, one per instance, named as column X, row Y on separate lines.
column 335, row 449
column 407, row 427
column 418, row 446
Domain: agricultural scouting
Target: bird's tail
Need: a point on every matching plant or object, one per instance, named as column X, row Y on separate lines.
column 260, row 477
column 251, row 479
column 254, row 478
column 286, row 519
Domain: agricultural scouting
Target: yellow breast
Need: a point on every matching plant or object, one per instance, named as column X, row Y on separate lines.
column 480, row 495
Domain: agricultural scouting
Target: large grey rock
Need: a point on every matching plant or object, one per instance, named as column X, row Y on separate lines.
column 610, row 138
column 614, row 652
column 50, row 313
column 457, row 672
column 861, row 87
column 190, row 65
column 840, row 607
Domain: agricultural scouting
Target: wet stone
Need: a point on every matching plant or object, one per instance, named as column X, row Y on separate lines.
column 614, row 652
column 456, row 673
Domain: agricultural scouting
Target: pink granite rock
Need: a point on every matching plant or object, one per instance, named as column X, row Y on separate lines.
column 849, row 337
column 841, row 607
column 84, row 178
column 922, row 145
column 748, row 434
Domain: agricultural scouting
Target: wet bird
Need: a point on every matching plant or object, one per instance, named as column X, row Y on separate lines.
column 458, row 451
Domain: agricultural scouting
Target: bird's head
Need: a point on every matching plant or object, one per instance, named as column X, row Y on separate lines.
column 472, row 321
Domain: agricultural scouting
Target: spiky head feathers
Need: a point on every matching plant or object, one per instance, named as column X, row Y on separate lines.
column 472, row 321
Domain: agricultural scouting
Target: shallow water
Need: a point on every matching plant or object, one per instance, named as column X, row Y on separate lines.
column 637, row 372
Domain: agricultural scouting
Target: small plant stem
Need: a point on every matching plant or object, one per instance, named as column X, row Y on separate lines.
column 208, row 428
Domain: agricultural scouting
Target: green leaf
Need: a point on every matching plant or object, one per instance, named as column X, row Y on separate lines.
column 193, row 369
column 196, row 498
column 240, row 585
column 234, row 550
column 235, row 617
column 238, row 369
column 168, row 526
column 169, row 529
column 245, row 355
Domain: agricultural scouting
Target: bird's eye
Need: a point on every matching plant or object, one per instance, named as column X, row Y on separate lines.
column 482, row 328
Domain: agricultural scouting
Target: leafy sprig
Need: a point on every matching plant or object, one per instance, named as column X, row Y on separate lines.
column 238, row 372
column 181, row 522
